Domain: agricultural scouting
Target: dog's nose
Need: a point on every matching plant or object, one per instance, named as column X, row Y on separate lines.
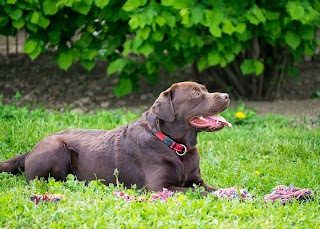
column 224, row 96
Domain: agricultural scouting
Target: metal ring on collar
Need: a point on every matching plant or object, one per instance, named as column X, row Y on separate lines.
column 184, row 151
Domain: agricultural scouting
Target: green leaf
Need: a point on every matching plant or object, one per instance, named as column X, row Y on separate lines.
column 36, row 52
column 134, row 22
column 223, row 62
column 292, row 39
column 229, row 56
column 3, row 21
column 26, row 6
column 144, row 33
column 160, row 21
column 148, row 16
column 136, row 43
column 123, row 88
column 252, row 18
column 146, row 49
column 101, row 3
column 307, row 32
column 43, row 21
column 255, row 15
column 196, row 15
column 202, row 63
column 54, row 37
column 213, row 17
column 272, row 26
column 143, row 2
column 250, row 66
column 11, row 1
column 65, row 59
column 236, row 47
column 183, row 4
column 215, row 30
column 117, row 66
column 259, row 67
column 19, row 23
column 126, row 48
column 131, row 5
column 213, row 20
column 241, row 27
column 15, row 14
column 184, row 13
column 151, row 67
column 309, row 50
column 81, row 7
column 259, row 14
column 170, row 19
column 184, row 36
column 50, row 7
column 89, row 54
column 32, row 27
column 142, row 20
column 247, row 67
column 196, row 40
column 88, row 64
column 221, row 46
column 65, row 3
column 35, row 17
column 167, row 2
column 157, row 36
column 295, row 10
column 272, row 15
column 213, row 58
column 30, row 46
column 228, row 27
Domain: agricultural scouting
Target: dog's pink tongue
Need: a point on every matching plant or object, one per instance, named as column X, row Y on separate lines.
column 221, row 119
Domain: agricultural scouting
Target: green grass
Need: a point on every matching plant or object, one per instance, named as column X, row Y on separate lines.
column 257, row 154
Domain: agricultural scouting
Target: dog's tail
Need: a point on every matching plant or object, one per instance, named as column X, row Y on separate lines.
column 14, row 165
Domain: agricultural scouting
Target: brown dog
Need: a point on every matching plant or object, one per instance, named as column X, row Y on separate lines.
column 157, row 151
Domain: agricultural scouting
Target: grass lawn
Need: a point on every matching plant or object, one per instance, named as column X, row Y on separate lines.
column 258, row 154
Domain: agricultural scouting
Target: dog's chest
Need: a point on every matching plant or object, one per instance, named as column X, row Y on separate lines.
column 188, row 170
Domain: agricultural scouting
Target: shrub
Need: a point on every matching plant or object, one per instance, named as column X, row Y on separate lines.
column 248, row 46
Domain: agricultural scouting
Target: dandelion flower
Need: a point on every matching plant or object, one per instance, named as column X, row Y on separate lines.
column 240, row 115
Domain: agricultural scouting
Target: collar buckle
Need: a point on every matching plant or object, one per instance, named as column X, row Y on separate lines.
column 183, row 152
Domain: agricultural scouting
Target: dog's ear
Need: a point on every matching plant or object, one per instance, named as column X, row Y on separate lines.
column 163, row 108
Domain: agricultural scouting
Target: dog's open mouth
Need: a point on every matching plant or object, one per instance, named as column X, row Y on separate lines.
column 211, row 122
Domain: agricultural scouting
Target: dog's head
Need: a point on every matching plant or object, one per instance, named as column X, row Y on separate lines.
column 190, row 104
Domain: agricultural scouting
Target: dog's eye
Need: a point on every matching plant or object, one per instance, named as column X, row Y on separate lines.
column 197, row 93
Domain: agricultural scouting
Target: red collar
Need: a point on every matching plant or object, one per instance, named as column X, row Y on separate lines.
column 180, row 149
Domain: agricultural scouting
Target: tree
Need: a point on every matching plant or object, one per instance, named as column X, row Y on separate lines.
column 249, row 47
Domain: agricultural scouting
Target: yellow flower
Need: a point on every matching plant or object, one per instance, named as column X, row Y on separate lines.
column 240, row 115
column 257, row 172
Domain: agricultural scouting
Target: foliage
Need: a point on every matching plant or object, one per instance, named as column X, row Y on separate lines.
column 249, row 45
column 257, row 155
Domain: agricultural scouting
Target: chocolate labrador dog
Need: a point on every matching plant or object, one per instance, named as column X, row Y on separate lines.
column 157, row 151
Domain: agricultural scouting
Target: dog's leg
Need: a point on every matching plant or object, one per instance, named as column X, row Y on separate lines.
column 208, row 189
column 185, row 189
column 179, row 189
column 50, row 158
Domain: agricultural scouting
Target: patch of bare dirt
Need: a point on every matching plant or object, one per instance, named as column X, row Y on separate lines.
column 42, row 82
